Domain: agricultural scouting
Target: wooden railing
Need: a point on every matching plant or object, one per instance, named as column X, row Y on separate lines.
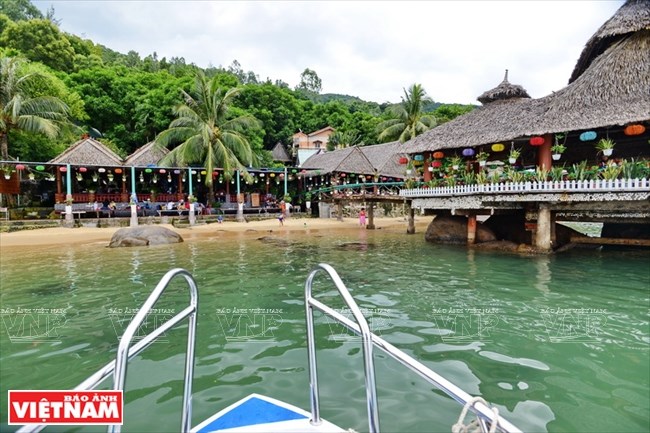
column 563, row 186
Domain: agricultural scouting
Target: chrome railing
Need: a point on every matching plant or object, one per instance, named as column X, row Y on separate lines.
column 368, row 341
column 125, row 352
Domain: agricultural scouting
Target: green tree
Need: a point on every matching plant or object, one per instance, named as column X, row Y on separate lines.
column 20, row 10
column 20, row 110
column 40, row 41
column 310, row 82
column 407, row 119
column 208, row 133
column 446, row 112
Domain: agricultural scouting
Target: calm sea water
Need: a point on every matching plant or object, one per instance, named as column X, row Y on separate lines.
column 558, row 344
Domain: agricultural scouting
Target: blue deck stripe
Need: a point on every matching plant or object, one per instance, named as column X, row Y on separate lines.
column 251, row 412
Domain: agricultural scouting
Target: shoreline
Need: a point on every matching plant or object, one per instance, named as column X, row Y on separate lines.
column 88, row 235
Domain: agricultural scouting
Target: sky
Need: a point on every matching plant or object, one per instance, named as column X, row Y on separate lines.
column 370, row 49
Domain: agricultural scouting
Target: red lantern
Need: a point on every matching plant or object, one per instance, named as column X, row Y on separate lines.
column 342, row 174
column 63, row 169
column 536, row 141
column 436, row 164
column 438, row 155
column 403, row 160
column 82, row 169
column 20, row 167
column 636, row 129
column 118, row 171
column 162, row 171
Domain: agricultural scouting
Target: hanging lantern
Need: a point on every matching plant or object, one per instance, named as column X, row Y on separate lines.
column 438, row 155
column 63, row 169
column 40, row 168
column 419, row 157
column 162, row 171
column 203, row 172
column 403, row 160
column 272, row 175
column 294, row 171
column 146, row 170
column 193, row 171
column 588, row 136
column 536, row 141
column 177, row 172
column 342, row 174
column 103, row 170
column 82, row 169
column 636, row 129
column 118, row 171
column 261, row 174
column 20, row 167
column 468, row 152
column 498, row 147
column 436, row 164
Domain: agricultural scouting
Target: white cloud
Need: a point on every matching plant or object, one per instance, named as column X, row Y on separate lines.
column 456, row 50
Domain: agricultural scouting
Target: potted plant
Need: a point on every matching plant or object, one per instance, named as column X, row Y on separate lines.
column 606, row 145
column 482, row 157
column 514, row 155
column 308, row 200
column 557, row 150
column 456, row 161
column 409, row 168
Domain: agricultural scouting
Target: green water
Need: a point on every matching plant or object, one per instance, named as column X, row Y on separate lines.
column 558, row 344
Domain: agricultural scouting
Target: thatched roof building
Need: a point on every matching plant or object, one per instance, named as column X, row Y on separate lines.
column 88, row 151
column 149, row 154
column 381, row 159
column 610, row 87
column 280, row 154
column 505, row 90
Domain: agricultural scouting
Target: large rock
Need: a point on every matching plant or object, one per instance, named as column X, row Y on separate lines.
column 453, row 230
column 144, row 235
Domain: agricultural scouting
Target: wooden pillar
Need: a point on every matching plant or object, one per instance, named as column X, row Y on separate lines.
column 411, row 219
column 425, row 169
column 544, row 157
column 371, row 216
column 543, row 230
column 471, row 229
column 339, row 210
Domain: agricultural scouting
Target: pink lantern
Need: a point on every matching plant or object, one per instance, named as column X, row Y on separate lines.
column 63, row 169
column 82, row 169
column 20, row 167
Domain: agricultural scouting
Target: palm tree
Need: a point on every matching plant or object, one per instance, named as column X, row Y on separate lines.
column 408, row 120
column 18, row 110
column 208, row 133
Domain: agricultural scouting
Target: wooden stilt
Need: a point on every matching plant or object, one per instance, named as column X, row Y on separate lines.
column 411, row 228
column 471, row 229
column 371, row 216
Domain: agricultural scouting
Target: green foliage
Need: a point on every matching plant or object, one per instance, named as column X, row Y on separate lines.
column 407, row 119
column 309, row 82
column 634, row 169
column 611, row 171
column 20, row 10
column 556, row 173
column 558, row 148
column 40, row 40
column 579, row 171
column 604, row 144
column 446, row 112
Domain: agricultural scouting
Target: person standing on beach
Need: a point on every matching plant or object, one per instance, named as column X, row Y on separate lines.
column 362, row 217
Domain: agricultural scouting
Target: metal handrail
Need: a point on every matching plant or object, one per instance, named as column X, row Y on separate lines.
column 125, row 352
column 483, row 412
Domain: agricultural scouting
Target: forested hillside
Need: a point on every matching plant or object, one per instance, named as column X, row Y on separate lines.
column 126, row 100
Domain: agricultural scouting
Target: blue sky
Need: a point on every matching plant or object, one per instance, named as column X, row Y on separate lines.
column 369, row 49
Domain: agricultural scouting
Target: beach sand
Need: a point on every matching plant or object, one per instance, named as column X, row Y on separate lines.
column 87, row 235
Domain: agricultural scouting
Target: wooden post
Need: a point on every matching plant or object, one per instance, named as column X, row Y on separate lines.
column 544, row 157
column 543, row 230
column 471, row 229
column 411, row 228
column 339, row 210
column 371, row 216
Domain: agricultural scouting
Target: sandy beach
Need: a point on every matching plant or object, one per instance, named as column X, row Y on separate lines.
column 87, row 235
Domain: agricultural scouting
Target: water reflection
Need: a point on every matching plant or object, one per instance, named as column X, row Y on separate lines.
column 544, row 276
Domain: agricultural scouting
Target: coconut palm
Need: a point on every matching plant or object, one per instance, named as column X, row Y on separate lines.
column 407, row 120
column 208, row 133
column 18, row 110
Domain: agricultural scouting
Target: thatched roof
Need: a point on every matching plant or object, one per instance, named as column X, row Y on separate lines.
column 380, row 158
column 633, row 16
column 613, row 90
column 505, row 90
column 88, row 151
column 280, row 154
column 148, row 154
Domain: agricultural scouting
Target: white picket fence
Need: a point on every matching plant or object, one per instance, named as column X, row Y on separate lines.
column 562, row 186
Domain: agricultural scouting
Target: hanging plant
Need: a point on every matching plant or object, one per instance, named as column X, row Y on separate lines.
column 514, row 155
column 606, row 146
